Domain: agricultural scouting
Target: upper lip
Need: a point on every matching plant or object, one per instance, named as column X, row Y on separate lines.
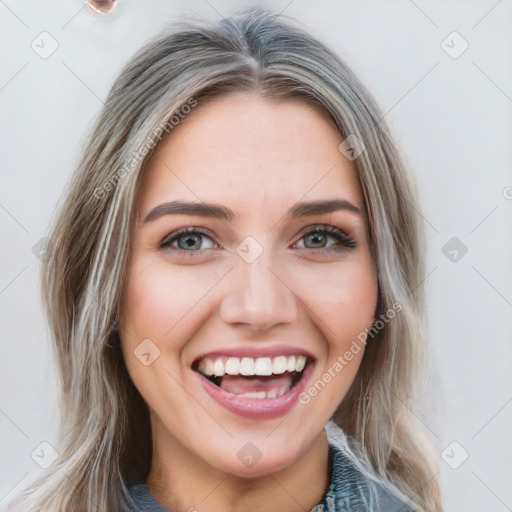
column 255, row 351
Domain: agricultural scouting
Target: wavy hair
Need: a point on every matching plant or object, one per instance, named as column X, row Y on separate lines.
column 105, row 437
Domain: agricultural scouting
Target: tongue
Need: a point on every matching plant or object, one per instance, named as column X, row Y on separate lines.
column 238, row 384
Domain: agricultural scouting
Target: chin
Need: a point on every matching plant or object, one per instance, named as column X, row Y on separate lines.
column 257, row 455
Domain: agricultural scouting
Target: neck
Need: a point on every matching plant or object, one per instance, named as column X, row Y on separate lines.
column 183, row 482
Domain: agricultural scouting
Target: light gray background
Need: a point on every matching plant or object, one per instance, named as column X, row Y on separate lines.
column 451, row 116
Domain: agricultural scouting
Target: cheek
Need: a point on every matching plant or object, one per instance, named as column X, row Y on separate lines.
column 158, row 301
column 160, row 304
column 344, row 301
column 166, row 305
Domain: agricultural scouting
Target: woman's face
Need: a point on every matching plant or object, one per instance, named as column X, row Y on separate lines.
column 250, row 260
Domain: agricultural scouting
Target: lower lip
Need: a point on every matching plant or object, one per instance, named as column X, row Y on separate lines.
column 258, row 408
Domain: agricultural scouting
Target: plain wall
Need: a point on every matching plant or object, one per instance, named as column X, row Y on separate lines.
column 451, row 115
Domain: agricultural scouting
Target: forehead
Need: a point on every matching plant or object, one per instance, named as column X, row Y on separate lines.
column 251, row 152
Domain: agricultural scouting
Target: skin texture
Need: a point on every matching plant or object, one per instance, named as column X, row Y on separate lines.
column 258, row 157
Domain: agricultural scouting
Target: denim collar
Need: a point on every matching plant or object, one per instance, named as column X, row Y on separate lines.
column 347, row 490
column 350, row 490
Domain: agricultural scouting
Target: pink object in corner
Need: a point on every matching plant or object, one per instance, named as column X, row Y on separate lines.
column 102, row 6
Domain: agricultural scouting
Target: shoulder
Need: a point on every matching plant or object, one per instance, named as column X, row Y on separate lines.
column 351, row 490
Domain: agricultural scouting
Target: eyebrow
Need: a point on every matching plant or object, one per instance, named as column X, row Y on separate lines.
column 216, row 211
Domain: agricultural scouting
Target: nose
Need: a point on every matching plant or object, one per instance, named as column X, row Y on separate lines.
column 258, row 296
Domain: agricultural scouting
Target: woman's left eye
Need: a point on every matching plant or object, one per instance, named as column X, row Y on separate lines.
column 317, row 239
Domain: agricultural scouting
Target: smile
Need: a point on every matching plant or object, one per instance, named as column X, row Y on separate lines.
column 256, row 387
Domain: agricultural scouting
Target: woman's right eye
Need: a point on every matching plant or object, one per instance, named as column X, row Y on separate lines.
column 187, row 240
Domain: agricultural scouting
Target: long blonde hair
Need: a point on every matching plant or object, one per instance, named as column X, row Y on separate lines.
column 105, row 430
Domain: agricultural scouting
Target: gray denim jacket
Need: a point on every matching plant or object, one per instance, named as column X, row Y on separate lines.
column 348, row 492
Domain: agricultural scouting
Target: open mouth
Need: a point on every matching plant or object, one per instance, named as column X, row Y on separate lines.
column 262, row 377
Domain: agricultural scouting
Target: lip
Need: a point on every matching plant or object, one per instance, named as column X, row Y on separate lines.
column 258, row 408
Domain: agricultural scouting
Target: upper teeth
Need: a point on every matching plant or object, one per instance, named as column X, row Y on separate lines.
column 251, row 366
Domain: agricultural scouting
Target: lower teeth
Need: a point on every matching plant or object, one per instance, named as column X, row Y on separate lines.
column 273, row 393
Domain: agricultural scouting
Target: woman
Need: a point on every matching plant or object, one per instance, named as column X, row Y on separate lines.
column 237, row 264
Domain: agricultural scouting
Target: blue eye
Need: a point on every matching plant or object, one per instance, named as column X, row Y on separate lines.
column 187, row 240
column 318, row 238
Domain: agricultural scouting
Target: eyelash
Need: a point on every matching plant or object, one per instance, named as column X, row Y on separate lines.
column 344, row 241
